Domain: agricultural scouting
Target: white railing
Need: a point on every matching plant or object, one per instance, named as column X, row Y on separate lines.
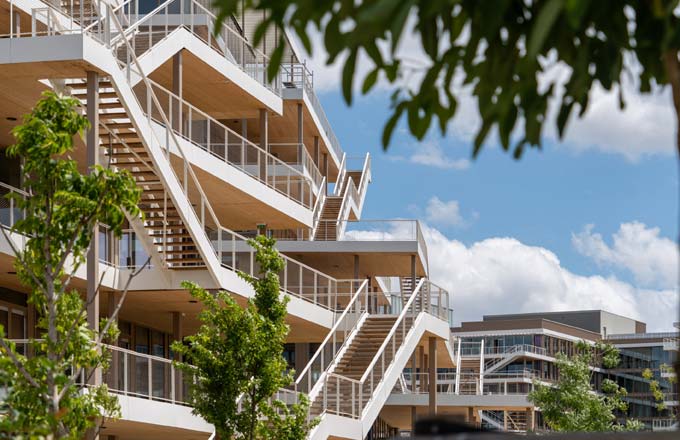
column 296, row 75
column 207, row 133
column 297, row 154
column 340, row 181
column 131, row 373
column 334, row 342
column 671, row 344
column 155, row 25
column 9, row 211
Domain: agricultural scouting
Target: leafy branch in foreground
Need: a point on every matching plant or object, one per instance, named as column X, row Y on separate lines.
column 572, row 405
column 43, row 395
column 237, row 358
column 514, row 55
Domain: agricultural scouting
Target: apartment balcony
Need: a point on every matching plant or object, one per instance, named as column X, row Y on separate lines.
column 297, row 84
column 385, row 247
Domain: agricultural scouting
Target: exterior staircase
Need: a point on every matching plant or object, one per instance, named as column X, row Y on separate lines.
column 327, row 229
column 123, row 147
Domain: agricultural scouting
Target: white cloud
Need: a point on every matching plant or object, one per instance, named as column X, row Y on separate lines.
column 652, row 259
column 444, row 213
column 503, row 275
column 430, row 153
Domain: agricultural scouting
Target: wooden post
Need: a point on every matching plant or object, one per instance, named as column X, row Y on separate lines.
column 177, row 80
column 177, row 335
column 92, row 265
column 432, row 380
column 264, row 142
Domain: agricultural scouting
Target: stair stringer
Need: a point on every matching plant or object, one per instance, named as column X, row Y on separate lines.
column 338, row 426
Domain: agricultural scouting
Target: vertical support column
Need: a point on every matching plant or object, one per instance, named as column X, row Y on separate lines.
column 177, row 335
column 264, row 142
column 414, row 365
column 177, row 80
column 325, row 169
column 244, row 135
column 505, row 420
column 355, row 284
column 301, row 357
column 113, row 299
column 92, row 139
column 480, row 391
column 16, row 23
column 317, row 154
column 432, row 380
column 421, row 369
column 300, row 131
column 530, row 420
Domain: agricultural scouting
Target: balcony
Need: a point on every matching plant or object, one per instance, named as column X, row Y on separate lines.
column 297, row 82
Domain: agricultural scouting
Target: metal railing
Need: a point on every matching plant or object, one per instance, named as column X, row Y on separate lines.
column 296, row 75
column 143, row 375
column 297, row 154
column 151, row 27
column 131, row 373
column 9, row 212
column 207, row 133
column 328, row 351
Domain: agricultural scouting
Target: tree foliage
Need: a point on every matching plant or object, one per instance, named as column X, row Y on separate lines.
column 571, row 404
column 44, row 398
column 509, row 53
column 237, row 358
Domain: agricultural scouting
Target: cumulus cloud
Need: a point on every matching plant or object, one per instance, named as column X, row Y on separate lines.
column 430, row 153
column 504, row 275
column 444, row 213
column 652, row 259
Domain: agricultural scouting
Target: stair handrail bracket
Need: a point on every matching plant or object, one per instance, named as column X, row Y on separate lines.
column 357, row 305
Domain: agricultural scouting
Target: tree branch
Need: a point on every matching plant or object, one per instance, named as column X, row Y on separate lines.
column 18, row 364
column 672, row 65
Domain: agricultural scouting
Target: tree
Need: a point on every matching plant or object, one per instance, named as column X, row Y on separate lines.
column 43, row 397
column 656, row 390
column 505, row 50
column 237, row 359
column 572, row 404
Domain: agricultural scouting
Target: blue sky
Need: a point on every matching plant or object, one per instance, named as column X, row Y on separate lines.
column 542, row 201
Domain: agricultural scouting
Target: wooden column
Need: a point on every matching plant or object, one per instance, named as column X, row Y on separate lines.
column 300, row 131
column 264, row 142
column 531, row 422
column 177, row 335
column 301, row 357
column 421, row 369
column 432, row 380
column 177, row 80
column 325, row 169
column 92, row 139
column 317, row 156
column 113, row 299
column 414, row 368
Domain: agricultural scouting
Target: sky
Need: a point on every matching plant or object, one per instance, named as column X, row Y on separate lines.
column 588, row 222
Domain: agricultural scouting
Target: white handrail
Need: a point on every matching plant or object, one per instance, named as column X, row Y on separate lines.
column 393, row 330
column 340, row 181
column 331, row 334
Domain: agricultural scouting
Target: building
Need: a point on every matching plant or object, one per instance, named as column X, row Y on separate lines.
column 221, row 153
column 501, row 357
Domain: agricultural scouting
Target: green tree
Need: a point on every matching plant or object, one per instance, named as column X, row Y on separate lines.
column 571, row 404
column 43, row 397
column 656, row 390
column 237, row 358
column 504, row 50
